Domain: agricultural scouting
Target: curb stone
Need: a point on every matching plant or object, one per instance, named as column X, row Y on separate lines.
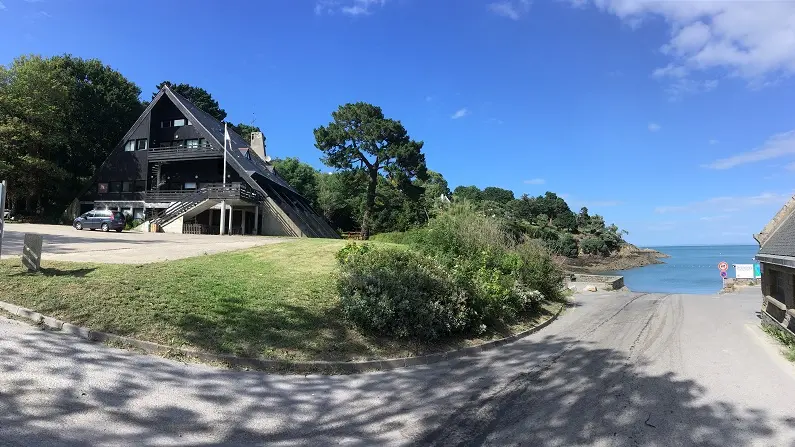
column 282, row 366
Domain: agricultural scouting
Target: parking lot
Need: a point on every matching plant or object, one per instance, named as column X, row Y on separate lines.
column 64, row 243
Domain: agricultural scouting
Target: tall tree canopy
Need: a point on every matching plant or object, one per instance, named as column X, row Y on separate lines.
column 361, row 138
column 471, row 193
column 59, row 118
column 498, row 195
column 301, row 176
column 200, row 97
column 244, row 130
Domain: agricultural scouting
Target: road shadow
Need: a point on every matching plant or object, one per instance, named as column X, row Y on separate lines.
column 73, row 272
column 563, row 392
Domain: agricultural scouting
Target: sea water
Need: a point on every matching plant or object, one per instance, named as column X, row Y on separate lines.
column 690, row 269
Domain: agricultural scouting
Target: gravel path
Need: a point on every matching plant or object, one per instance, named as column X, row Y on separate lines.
column 616, row 369
column 64, row 243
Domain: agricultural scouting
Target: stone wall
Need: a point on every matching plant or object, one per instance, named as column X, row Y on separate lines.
column 603, row 282
column 779, row 282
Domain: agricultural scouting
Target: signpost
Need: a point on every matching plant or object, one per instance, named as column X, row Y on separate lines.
column 723, row 266
column 3, row 187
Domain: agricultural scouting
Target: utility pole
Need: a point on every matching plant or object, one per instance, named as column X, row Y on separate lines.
column 3, row 188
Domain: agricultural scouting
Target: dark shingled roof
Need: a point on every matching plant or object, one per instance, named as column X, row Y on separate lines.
column 216, row 129
column 782, row 241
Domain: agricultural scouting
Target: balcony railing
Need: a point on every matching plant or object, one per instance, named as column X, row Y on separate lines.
column 184, row 152
column 215, row 191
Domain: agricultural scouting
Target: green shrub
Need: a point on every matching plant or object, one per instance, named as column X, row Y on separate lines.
column 464, row 274
column 594, row 246
column 538, row 271
column 566, row 245
column 397, row 237
column 399, row 293
column 130, row 224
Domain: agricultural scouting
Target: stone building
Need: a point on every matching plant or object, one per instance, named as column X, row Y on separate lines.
column 777, row 258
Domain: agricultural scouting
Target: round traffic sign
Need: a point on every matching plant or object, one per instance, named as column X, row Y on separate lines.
column 723, row 274
column 723, row 266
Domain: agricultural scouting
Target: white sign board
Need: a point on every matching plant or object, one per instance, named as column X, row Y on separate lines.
column 744, row 271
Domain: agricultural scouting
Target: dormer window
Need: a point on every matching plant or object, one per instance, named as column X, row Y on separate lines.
column 179, row 123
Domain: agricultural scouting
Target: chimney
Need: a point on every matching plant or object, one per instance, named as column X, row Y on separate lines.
column 258, row 144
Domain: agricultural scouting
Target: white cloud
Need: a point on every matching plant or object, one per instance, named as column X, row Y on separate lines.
column 460, row 113
column 752, row 40
column 726, row 204
column 713, row 142
column 714, row 218
column 535, row 181
column 662, row 226
column 779, row 145
column 349, row 7
column 654, row 127
column 682, row 87
column 511, row 9
column 495, row 121
column 2, row 6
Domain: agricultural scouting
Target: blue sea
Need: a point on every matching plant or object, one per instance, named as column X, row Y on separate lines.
column 690, row 269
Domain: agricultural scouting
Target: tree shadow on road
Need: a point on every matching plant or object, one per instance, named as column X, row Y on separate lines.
column 57, row 390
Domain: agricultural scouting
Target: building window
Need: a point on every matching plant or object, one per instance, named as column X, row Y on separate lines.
column 102, row 188
column 139, row 186
column 129, row 146
column 114, row 187
column 190, row 185
column 165, row 144
column 194, row 143
column 126, row 186
column 141, row 144
column 202, row 142
column 190, row 123
column 167, row 123
column 179, row 123
column 178, row 143
column 138, row 213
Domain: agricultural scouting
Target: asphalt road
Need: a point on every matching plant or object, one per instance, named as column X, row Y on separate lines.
column 615, row 370
column 64, row 243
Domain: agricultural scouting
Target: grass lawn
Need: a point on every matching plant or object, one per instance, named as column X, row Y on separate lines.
column 274, row 301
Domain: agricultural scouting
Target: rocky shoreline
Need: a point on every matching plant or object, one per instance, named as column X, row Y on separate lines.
column 628, row 257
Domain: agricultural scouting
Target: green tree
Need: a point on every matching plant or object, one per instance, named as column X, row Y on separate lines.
column 498, row 195
column 200, row 97
column 301, row 176
column 434, row 188
column 361, row 138
column 469, row 193
column 59, row 118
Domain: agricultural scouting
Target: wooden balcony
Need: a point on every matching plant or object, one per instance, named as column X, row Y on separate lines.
column 171, row 153
column 214, row 191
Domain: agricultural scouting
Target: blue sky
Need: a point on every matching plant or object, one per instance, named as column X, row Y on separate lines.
column 672, row 119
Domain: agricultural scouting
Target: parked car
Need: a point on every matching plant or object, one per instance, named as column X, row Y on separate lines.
column 104, row 220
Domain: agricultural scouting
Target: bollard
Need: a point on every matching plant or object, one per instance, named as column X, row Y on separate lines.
column 31, row 252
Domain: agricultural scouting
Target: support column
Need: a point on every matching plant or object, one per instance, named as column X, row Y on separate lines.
column 242, row 221
column 256, row 221
column 231, row 215
column 223, row 215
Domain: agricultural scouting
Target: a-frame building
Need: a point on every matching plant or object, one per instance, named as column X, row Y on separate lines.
column 168, row 171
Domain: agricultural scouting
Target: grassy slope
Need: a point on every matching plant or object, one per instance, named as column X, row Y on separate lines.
column 274, row 301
